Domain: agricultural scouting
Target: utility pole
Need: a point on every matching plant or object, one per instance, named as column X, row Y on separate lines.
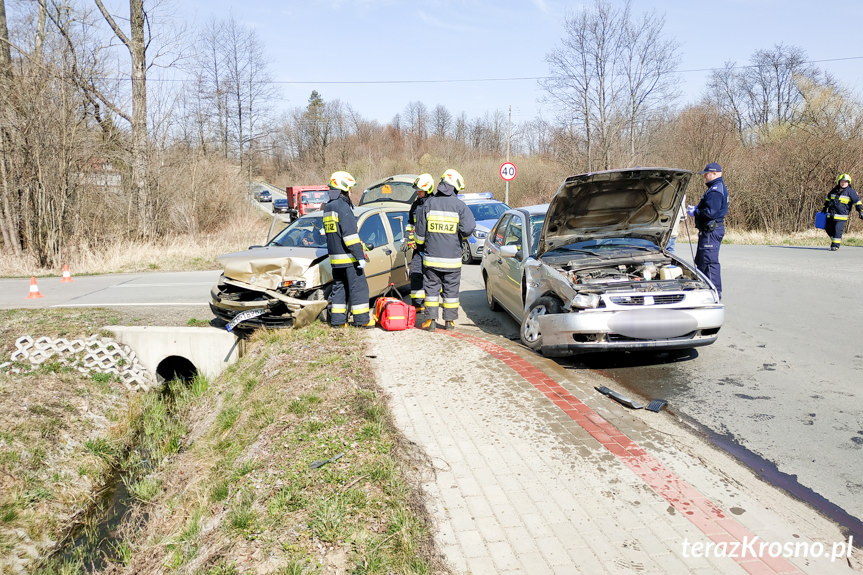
column 508, row 127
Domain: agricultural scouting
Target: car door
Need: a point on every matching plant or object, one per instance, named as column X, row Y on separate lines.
column 509, row 294
column 373, row 234
column 397, row 221
column 491, row 258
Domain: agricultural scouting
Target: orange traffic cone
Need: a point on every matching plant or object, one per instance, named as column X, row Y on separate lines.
column 67, row 275
column 34, row 289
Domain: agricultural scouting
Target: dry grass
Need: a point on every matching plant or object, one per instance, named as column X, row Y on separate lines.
column 176, row 253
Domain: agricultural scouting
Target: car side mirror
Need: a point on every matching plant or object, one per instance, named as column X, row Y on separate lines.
column 254, row 247
column 508, row 251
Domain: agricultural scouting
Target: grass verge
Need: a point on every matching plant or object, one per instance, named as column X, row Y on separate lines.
column 228, row 486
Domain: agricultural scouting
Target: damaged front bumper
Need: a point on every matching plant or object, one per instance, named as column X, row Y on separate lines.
column 247, row 306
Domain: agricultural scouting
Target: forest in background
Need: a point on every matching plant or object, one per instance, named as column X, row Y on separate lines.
column 96, row 147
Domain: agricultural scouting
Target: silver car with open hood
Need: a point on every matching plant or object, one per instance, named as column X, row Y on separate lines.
column 598, row 276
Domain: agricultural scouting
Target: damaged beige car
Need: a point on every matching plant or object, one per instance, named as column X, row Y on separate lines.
column 286, row 283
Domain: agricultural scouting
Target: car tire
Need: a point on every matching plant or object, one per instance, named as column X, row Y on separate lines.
column 466, row 256
column 530, row 333
column 492, row 304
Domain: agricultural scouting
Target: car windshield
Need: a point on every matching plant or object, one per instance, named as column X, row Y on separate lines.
column 535, row 227
column 389, row 192
column 487, row 211
column 306, row 232
column 315, row 197
column 594, row 246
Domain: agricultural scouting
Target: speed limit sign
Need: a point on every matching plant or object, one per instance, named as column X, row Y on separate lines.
column 508, row 171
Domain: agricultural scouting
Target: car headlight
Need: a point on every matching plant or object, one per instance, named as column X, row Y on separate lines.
column 480, row 234
column 294, row 283
column 703, row 298
column 585, row 301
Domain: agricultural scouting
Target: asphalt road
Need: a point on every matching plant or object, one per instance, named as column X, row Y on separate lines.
column 783, row 382
column 782, row 386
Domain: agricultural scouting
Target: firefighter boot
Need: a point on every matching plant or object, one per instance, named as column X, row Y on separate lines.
column 429, row 325
column 449, row 324
column 421, row 312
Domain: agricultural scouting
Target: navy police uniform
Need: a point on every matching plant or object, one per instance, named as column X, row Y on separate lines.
column 346, row 250
column 441, row 223
column 710, row 220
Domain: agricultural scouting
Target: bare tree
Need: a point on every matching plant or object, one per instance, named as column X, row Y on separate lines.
column 136, row 43
column 441, row 121
column 608, row 75
column 766, row 95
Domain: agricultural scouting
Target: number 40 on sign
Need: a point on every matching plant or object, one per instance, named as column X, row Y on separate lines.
column 508, row 171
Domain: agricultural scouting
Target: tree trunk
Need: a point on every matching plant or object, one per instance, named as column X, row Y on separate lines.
column 138, row 50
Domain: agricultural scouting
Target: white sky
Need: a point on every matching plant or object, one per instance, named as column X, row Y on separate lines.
column 363, row 51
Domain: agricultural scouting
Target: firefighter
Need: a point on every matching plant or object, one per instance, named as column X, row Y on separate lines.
column 347, row 257
column 424, row 184
column 837, row 205
column 442, row 222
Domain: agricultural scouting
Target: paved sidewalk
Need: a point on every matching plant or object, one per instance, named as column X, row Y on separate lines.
column 535, row 472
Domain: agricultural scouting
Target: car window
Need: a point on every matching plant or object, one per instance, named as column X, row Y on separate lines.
column 487, row 211
column 497, row 233
column 514, row 233
column 398, row 221
column 372, row 231
column 304, row 232
column 391, row 191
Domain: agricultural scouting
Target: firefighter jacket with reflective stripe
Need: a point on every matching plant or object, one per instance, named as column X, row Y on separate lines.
column 839, row 201
column 442, row 221
column 713, row 207
column 340, row 225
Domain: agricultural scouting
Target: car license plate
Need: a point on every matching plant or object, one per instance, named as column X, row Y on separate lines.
column 243, row 316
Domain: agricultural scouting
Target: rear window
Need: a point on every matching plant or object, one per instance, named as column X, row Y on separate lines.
column 389, row 192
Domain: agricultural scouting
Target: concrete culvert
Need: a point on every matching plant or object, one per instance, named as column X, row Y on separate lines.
column 176, row 367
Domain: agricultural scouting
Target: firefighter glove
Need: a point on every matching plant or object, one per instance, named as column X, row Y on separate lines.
column 690, row 211
column 361, row 264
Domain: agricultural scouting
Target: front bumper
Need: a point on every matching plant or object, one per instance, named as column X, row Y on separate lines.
column 475, row 246
column 227, row 299
column 629, row 330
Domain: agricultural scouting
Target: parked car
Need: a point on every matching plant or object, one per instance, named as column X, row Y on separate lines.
column 262, row 195
column 280, row 206
column 486, row 210
column 594, row 275
column 286, row 282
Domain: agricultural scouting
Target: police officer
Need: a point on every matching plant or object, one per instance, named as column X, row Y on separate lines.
column 424, row 184
column 347, row 257
column 709, row 217
column 837, row 205
column 442, row 221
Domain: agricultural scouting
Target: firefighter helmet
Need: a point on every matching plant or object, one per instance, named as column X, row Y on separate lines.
column 454, row 179
column 424, row 182
column 843, row 177
column 342, row 181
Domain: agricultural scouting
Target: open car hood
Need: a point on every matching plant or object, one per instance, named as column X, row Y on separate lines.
column 631, row 203
column 269, row 267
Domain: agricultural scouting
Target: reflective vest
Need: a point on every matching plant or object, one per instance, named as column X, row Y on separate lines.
column 442, row 222
column 340, row 225
column 839, row 201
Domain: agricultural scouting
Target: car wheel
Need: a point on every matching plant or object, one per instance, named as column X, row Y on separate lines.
column 530, row 333
column 492, row 304
column 466, row 256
